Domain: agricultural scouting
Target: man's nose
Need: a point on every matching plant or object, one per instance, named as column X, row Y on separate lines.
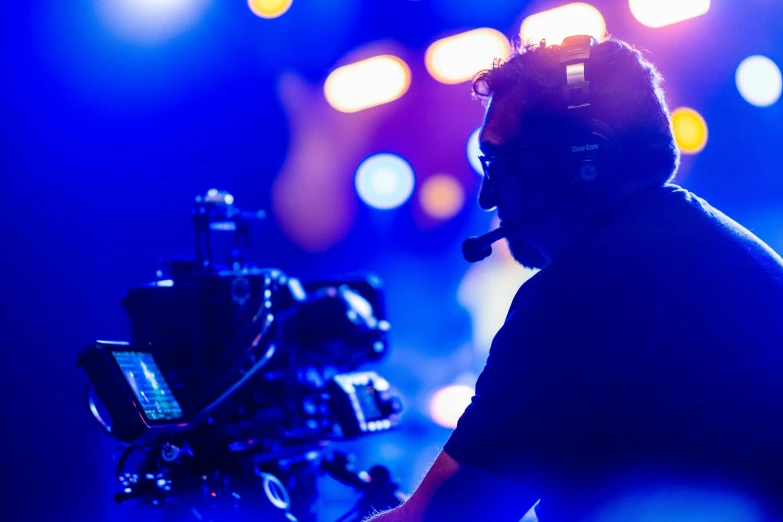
column 487, row 199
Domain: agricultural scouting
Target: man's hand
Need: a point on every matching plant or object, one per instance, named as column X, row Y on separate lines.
column 453, row 493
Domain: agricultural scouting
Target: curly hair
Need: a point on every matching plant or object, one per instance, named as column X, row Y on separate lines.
column 625, row 94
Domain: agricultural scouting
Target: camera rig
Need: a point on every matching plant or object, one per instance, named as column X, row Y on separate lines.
column 236, row 379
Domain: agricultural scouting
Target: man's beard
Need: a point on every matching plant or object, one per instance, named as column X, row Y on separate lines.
column 523, row 253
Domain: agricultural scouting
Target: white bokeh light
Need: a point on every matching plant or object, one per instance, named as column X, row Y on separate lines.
column 659, row 13
column 384, row 181
column 473, row 151
column 367, row 83
column 448, row 404
column 759, row 80
column 458, row 58
column 151, row 21
column 557, row 24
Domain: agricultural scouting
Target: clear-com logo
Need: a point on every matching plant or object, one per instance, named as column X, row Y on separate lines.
column 584, row 148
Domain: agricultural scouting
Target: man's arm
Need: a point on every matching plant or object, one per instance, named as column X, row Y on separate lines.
column 451, row 492
column 414, row 508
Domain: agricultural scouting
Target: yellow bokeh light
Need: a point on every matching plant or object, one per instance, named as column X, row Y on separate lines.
column 367, row 83
column 441, row 196
column 658, row 13
column 458, row 58
column 269, row 8
column 690, row 130
column 555, row 25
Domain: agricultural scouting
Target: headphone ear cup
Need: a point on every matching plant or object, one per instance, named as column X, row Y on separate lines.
column 590, row 151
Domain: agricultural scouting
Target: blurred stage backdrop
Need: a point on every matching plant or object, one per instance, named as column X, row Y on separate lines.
column 349, row 121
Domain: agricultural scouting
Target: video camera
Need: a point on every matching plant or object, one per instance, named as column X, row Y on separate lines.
column 235, row 380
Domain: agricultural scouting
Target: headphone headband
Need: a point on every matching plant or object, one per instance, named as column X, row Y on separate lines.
column 574, row 53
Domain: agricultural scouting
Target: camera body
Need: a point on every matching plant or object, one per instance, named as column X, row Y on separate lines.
column 252, row 349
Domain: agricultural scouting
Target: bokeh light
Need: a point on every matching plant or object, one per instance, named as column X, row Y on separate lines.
column 690, row 130
column 658, row 13
column 151, row 21
column 269, row 8
column 367, row 83
column 458, row 58
column 448, row 404
column 442, row 196
column 556, row 24
column 474, row 151
column 384, row 181
column 759, row 80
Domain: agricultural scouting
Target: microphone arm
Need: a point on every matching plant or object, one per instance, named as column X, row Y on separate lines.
column 475, row 249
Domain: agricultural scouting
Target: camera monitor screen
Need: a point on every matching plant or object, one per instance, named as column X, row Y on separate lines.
column 368, row 401
column 150, row 387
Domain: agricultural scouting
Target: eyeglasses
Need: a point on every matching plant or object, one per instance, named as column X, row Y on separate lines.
column 495, row 163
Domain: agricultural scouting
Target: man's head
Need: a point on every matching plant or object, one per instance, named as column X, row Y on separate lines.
column 525, row 131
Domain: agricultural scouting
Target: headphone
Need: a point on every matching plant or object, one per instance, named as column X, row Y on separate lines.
column 589, row 150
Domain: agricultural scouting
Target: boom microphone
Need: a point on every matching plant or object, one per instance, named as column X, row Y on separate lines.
column 475, row 249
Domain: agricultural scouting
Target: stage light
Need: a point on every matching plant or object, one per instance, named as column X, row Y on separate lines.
column 658, row 13
column 269, row 8
column 448, row 404
column 690, row 130
column 441, row 196
column 458, row 58
column 556, row 24
column 384, row 181
column 150, row 21
column 473, row 151
column 759, row 80
column 367, row 83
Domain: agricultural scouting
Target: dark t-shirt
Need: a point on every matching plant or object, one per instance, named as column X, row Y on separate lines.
column 645, row 363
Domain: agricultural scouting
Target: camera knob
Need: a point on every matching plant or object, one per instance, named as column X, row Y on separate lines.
column 395, row 405
column 170, row 452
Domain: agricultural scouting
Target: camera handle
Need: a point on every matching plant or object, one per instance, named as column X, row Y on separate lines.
column 215, row 211
column 378, row 491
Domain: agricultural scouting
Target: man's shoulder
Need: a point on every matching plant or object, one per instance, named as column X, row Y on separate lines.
column 657, row 235
column 541, row 294
column 659, row 261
